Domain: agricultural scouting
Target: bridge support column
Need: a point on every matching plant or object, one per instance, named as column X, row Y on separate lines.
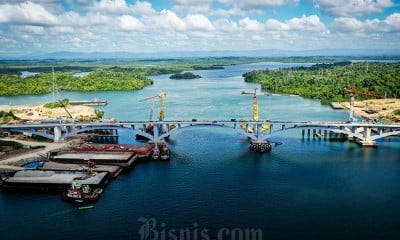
column 260, row 146
column 57, row 134
column 368, row 142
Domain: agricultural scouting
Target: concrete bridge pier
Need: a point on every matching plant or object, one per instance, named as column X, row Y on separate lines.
column 260, row 146
column 57, row 134
column 367, row 141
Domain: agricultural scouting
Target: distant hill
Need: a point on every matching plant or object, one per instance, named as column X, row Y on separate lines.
column 191, row 54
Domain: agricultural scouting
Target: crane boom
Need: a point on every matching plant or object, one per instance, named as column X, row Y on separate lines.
column 161, row 97
column 353, row 93
column 62, row 104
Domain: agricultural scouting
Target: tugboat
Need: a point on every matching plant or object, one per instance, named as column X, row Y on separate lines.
column 156, row 153
column 161, row 152
column 165, row 153
column 81, row 193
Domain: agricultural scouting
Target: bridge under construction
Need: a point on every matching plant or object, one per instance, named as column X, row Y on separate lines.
column 258, row 132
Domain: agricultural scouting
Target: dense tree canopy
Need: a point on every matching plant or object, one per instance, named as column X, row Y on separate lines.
column 186, row 75
column 97, row 80
column 327, row 81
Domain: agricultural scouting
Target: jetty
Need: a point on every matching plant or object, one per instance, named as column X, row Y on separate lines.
column 336, row 105
column 93, row 102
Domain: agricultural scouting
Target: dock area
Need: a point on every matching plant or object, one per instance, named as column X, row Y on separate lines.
column 44, row 180
column 57, row 166
column 143, row 151
column 122, row 159
column 113, row 170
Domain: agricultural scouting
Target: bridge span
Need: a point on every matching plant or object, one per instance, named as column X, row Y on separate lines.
column 258, row 132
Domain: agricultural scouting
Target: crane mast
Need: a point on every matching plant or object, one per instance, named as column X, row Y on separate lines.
column 161, row 97
column 255, row 103
column 353, row 93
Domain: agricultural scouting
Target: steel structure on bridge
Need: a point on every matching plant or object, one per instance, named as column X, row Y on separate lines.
column 259, row 132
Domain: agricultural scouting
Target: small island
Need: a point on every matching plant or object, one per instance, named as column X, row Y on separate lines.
column 186, row 75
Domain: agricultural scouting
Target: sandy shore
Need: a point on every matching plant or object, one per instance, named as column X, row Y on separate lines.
column 376, row 108
column 40, row 113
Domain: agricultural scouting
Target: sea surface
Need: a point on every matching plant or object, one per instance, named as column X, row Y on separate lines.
column 214, row 187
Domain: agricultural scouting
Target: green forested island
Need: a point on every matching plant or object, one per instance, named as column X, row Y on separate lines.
column 97, row 80
column 186, row 75
column 327, row 81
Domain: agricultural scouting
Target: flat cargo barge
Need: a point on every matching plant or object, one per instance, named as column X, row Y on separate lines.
column 122, row 159
column 113, row 170
column 143, row 151
column 52, row 181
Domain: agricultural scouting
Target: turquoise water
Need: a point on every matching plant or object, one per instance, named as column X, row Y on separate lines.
column 302, row 189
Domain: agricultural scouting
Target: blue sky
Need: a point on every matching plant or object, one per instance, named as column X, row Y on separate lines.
column 29, row 26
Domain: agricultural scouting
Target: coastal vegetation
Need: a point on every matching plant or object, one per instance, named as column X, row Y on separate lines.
column 186, row 75
column 326, row 82
column 6, row 146
column 97, row 80
column 59, row 104
column 99, row 113
column 7, row 116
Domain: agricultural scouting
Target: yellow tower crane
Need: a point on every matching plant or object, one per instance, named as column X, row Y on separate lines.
column 255, row 103
column 265, row 127
column 161, row 97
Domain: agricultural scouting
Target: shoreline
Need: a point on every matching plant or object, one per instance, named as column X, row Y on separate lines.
column 40, row 113
column 375, row 109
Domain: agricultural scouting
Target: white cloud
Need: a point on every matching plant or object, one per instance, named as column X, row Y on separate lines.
column 370, row 26
column 226, row 26
column 35, row 30
column 198, row 22
column 228, row 12
column 345, row 24
column 105, row 25
column 190, row 6
column 350, row 8
column 258, row 4
column 111, row 6
column 26, row 13
column 251, row 25
column 130, row 23
column 60, row 30
column 166, row 20
column 275, row 25
column 143, row 8
column 306, row 23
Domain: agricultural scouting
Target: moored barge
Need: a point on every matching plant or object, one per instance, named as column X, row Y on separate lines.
column 143, row 151
column 52, row 181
